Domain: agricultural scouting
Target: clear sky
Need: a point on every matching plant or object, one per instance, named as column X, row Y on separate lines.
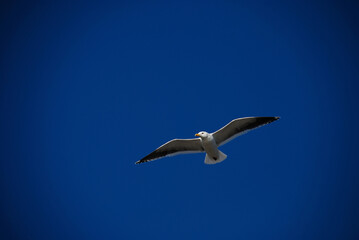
column 89, row 88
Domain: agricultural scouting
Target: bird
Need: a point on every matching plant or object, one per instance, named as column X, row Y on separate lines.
column 209, row 142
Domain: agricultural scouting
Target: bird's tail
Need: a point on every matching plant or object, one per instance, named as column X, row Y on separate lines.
column 209, row 160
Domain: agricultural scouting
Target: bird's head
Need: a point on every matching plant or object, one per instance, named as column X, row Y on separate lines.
column 202, row 134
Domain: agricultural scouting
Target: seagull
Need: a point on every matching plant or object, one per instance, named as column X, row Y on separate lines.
column 209, row 142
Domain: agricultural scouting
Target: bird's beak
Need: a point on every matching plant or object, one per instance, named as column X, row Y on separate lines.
column 197, row 135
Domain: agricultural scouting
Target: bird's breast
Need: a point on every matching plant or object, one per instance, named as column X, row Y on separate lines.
column 210, row 146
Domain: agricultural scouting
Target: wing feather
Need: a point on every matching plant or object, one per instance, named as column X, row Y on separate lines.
column 240, row 126
column 174, row 147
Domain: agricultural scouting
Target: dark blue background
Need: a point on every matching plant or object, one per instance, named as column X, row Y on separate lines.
column 88, row 88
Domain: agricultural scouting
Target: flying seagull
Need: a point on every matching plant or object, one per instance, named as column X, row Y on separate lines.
column 209, row 142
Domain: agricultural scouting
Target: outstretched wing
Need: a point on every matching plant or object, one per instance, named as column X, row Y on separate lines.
column 240, row 126
column 174, row 147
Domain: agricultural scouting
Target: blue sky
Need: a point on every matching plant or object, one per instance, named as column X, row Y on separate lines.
column 88, row 88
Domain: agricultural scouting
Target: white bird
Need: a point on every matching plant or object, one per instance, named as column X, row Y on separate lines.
column 209, row 142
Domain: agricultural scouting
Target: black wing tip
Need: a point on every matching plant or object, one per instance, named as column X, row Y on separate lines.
column 262, row 117
column 272, row 119
column 140, row 161
column 268, row 119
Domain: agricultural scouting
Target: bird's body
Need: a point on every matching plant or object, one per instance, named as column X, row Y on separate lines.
column 210, row 147
column 209, row 142
column 213, row 155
